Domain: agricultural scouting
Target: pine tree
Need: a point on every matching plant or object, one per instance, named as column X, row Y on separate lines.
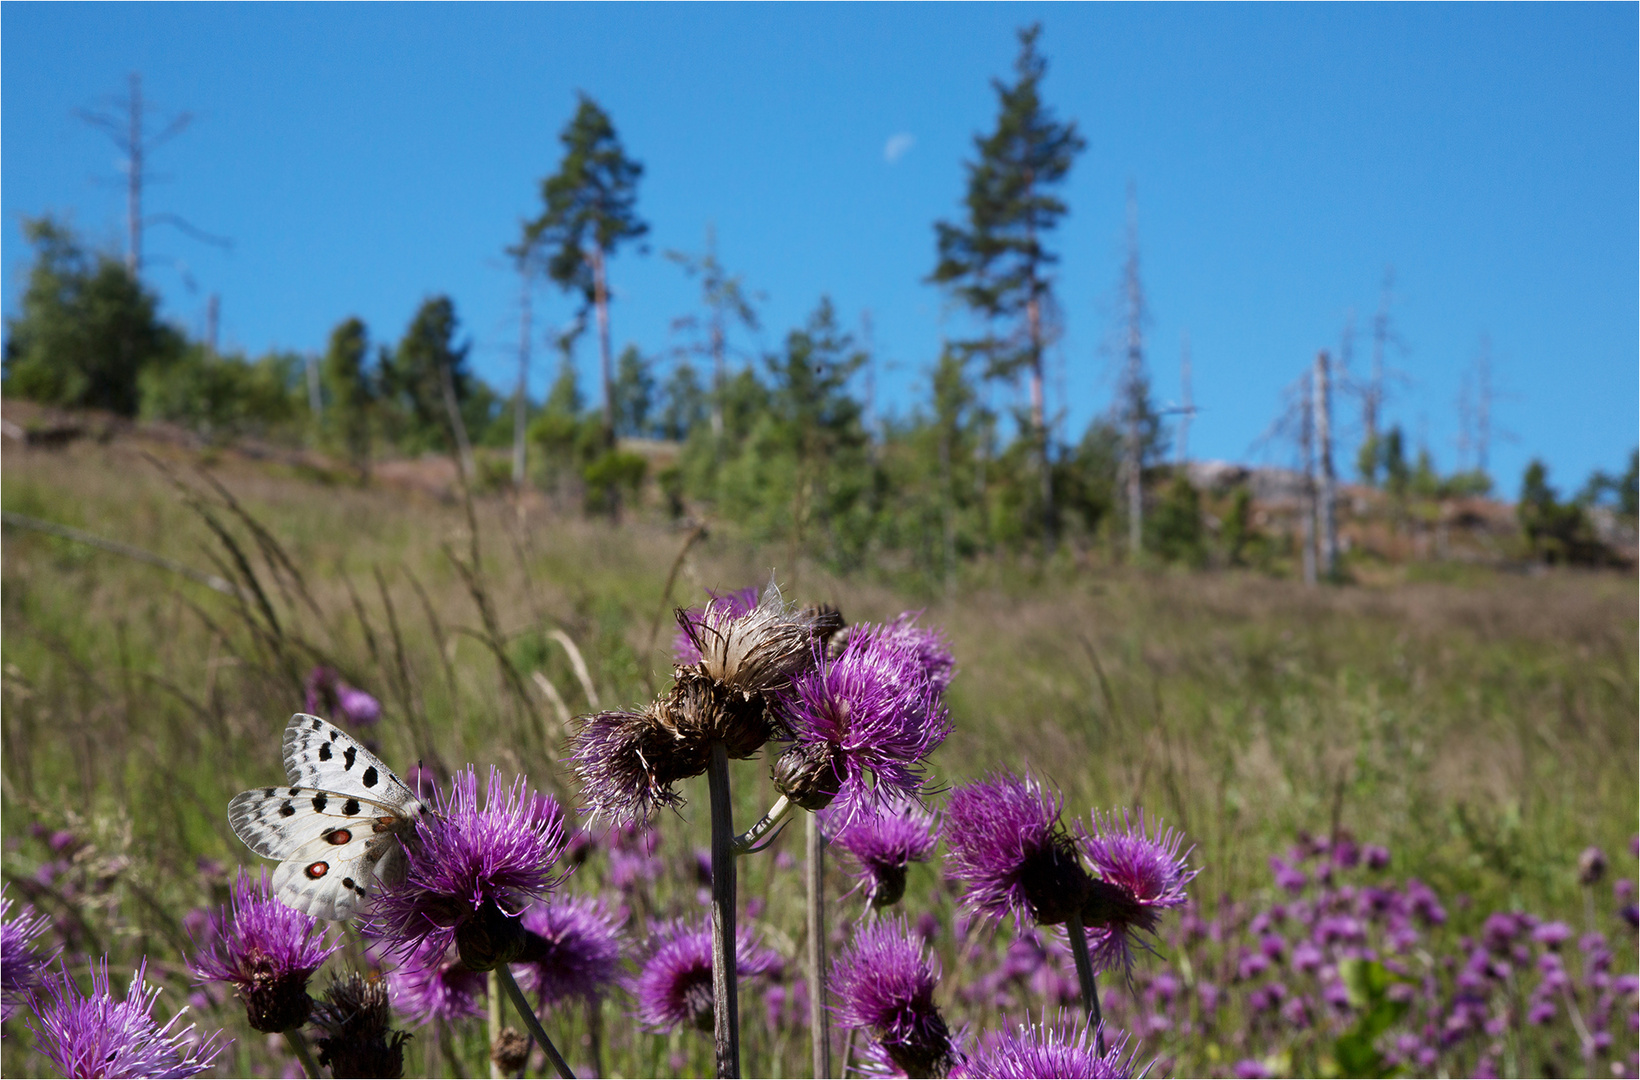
column 995, row 261
column 413, row 377
column 348, row 385
column 590, row 208
column 86, row 329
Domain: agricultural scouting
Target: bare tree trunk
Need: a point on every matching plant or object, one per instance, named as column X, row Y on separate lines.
column 1039, row 421
column 457, row 426
column 1307, row 498
column 600, row 299
column 1326, row 526
column 133, row 183
column 521, row 404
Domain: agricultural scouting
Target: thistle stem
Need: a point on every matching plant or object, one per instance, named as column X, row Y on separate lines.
column 304, row 1054
column 1084, row 975
column 493, row 992
column 748, row 840
column 504, row 975
column 725, row 998
column 819, row 1016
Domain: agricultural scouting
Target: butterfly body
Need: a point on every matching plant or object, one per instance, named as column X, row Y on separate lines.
column 335, row 827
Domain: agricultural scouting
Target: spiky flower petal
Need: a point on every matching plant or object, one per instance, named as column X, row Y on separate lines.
column 267, row 951
column 883, row 982
column 472, row 870
column 21, row 967
column 1065, row 1047
column 674, row 986
column 882, row 845
column 1010, row 851
column 1139, row 876
column 864, row 723
column 432, row 984
column 579, row 953
column 97, row 1036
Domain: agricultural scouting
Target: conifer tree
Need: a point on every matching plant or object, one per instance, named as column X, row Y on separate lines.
column 348, row 385
column 413, row 376
column 590, row 208
column 995, row 261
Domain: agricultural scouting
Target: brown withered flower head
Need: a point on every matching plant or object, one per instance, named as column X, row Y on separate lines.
column 629, row 762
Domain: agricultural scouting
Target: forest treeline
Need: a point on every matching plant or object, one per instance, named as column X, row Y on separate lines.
column 783, row 443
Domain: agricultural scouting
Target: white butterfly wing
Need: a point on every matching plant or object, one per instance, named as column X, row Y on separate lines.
column 276, row 822
column 330, row 877
column 318, row 754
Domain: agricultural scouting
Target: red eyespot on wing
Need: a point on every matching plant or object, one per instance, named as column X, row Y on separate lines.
column 318, row 870
column 338, row 836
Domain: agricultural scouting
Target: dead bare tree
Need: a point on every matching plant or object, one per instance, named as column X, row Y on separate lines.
column 125, row 129
column 1134, row 388
column 521, row 401
column 1326, row 525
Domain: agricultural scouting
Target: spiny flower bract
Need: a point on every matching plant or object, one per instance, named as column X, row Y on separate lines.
column 871, row 714
column 883, row 983
column 470, row 866
column 95, row 1035
column 1139, row 876
column 1066, row 1047
column 267, row 951
column 674, row 985
column 1010, row 851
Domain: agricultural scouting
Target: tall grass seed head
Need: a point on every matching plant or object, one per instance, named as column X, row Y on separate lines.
column 268, row 951
column 1011, row 853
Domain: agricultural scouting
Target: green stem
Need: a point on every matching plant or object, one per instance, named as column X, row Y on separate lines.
column 493, row 992
column 819, row 1017
column 1084, row 975
column 748, row 840
column 504, row 975
column 299, row 1044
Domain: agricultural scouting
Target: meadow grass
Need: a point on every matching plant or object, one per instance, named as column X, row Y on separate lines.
column 1484, row 731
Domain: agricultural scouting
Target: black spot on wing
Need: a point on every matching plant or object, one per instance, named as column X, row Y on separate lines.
column 286, row 810
column 348, row 755
column 324, row 751
column 370, row 777
column 268, row 792
column 351, row 808
column 318, row 723
column 319, row 802
column 295, row 791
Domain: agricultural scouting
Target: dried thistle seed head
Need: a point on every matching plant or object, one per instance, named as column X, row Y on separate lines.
column 828, row 623
column 807, row 774
column 356, row 1022
column 758, row 652
column 511, row 1051
column 629, row 762
column 1591, row 866
column 700, row 711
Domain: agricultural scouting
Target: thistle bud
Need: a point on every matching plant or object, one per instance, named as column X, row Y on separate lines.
column 358, row 1039
column 807, row 774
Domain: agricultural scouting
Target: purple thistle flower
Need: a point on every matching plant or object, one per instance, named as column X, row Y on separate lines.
column 883, row 983
column 97, row 1036
column 883, row 845
column 733, row 604
column 1138, row 876
column 472, row 870
column 268, row 951
column 1010, row 851
column 432, row 984
column 871, row 710
column 674, row 986
column 327, row 695
column 581, row 953
column 21, row 967
column 932, row 650
column 1066, row 1047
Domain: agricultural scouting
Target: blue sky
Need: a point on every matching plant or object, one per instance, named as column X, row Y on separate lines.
column 365, row 157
